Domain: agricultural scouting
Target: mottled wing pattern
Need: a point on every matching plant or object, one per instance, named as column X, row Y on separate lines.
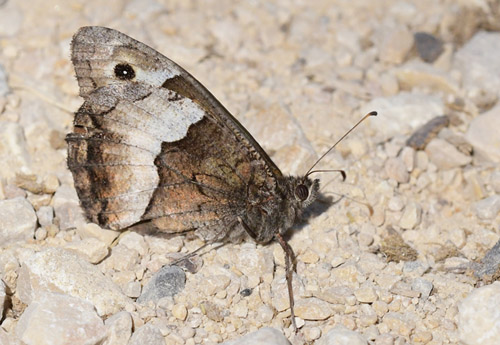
column 155, row 144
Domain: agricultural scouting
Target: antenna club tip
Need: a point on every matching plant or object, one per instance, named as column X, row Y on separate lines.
column 373, row 113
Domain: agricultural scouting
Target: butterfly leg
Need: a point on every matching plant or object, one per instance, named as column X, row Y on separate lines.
column 289, row 268
column 249, row 231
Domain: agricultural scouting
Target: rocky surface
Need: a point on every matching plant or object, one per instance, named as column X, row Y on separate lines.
column 297, row 75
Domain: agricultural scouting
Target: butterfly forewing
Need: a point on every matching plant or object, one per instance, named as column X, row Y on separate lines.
column 151, row 143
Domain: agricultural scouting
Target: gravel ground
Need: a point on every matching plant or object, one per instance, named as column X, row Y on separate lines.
column 298, row 75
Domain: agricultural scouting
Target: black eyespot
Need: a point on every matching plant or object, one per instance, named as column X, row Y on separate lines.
column 124, row 71
column 301, row 192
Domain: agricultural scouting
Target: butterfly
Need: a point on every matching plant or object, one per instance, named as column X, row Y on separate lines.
column 150, row 143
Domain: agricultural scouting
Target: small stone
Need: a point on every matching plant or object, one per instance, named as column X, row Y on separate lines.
column 147, row 334
column 412, row 216
column 488, row 208
column 134, row 241
column 39, row 200
column 309, row 257
column 4, row 86
column 179, row 311
column 378, row 217
column 312, row 333
column 366, row 294
column 45, row 215
column 408, row 156
column 11, row 192
column 122, row 259
column 389, row 84
column 60, row 270
column 50, row 183
column 416, row 74
column 187, row 332
column 422, row 337
column 483, row 134
column 93, row 230
column 3, row 296
column 423, row 286
column 340, row 335
column 403, row 113
column 445, row 156
column 428, row 46
column 118, row 328
column 495, row 181
column 60, row 319
column 17, row 221
column 67, row 208
column 479, row 316
column 396, row 204
column 313, row 309
column 335, row 294
column 398, row 323
column 422, row 160
column 41, row 234
column 380, row 308
column 90, row 248
column 265, row 313
column 423, row 135
column 133, row 289
column 396, row 169
column 168, row 281
column 264, row 336
column 348, row 273
column 13, row 149
column 29, row 182
column 480, row 69
column 395, row 46
column 213, row 311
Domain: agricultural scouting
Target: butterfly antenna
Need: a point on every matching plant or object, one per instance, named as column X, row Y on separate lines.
column 341, row 172
column 372, row 113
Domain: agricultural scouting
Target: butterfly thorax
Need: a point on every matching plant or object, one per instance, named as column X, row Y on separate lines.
column 271, row 212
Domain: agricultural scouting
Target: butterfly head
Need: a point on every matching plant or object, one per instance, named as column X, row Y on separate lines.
column 304, row 190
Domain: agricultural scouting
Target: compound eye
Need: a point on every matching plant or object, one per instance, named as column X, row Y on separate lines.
column 124, row 71
column 301, row 192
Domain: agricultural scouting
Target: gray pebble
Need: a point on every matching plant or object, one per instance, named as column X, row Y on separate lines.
column 423, row 286
column 489, row 264
column 168, row 281
column 147, row 334
column 428, row 46
column 488, row 208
